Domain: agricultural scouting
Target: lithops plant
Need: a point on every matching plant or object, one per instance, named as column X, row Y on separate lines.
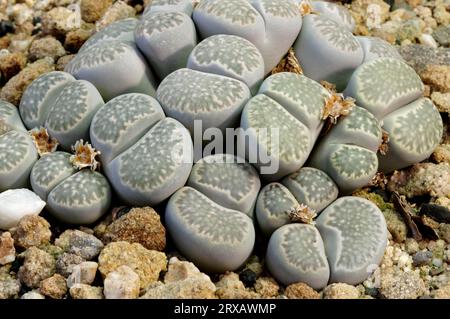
column 354, row 233
column 348, row 244
column 71, row 114
column 215, row 238
column 146, row 156
column 114, row 67
column 348, row 153
column 186, row 6
column 296, row 253
column 122, row 30
column 375, row 48
column 333, row 11
column 223, row 55
column 306, row 191
column 229, row 181
column 38, row 98
column 188, row 95
column 166, row 39
column 271, row 25
column 75, row 197
column 292, row 106
column 391, row 90
column 17, row 150
column 210, row 220
column 327, row 51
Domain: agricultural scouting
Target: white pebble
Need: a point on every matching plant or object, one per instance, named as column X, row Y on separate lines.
column 16, row 203
column 428, row 40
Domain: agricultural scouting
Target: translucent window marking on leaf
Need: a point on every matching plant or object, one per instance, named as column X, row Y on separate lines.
column 81, row 189
column 6, row 110
column 317, row 186
column 382, row 48
column 277, row 8
column 265, row 114
column 236, row 11
column 277, row 201
column 340, row 11
column 151, row 162
column 50, row 167
column 13, row 149
column 123, row 111
column 336, row 35
column 383, row 80
column 226, row 176
column 353, row 161
column 113, row 31
column 36, row 92
column 160, row 21
column 425, row 121
column 237, row 54
column 301, row 249
column 300, row 90
column 360, row 120
column 97, row 55
column 360, row 228
column 210, row 220
column 197, row 92
column 69, row 107
column 165, row 2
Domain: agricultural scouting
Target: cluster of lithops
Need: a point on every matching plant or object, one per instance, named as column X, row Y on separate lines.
column 73, row 196
column 346, row 245
column 145, row 155
column 210, row 220
column 211, row 62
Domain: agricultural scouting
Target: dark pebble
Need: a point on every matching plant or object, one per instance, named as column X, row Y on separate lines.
column 373, row 292
column 437, row 212
column 37, row 20
column 6, row 27
column 422, row 258
column 248, row 277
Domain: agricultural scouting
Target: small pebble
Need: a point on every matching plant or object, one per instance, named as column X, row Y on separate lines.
column 301, row 291
column 123, row 283
column 31, row 231
column 80, row 243
column 38, row 265
column 82, row 291
column 83, row 273
column 422, row 258
column 340, row 291
column 7, row 250
column 33, row 294
column 54, row 287
column 248, row 277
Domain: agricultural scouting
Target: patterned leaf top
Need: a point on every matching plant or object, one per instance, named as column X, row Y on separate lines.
column 14, row 147
column 335, row 34
column 155, row 158
column 277, row 200
column 159, row 22
column 301, row 246
column 420, row 117
column 224, row 174
column 31, row 103
column 361, row 228
column 210, row 220
column 353, row 161
column 264, row 115
column 234, row 53
column 196, row 92
column 51, row 169
column 235, row 11
column 83, row 189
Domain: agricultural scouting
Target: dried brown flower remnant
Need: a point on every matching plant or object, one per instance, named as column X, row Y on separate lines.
column 336, row 105
column 43, row 141
column 84, row 156
column 329, row 86
column 384, row 147
column 302, row 214
column 305, row 7
column 288, row 64
column 379, row 180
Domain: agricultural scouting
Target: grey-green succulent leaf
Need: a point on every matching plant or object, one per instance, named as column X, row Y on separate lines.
column 215, row 238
